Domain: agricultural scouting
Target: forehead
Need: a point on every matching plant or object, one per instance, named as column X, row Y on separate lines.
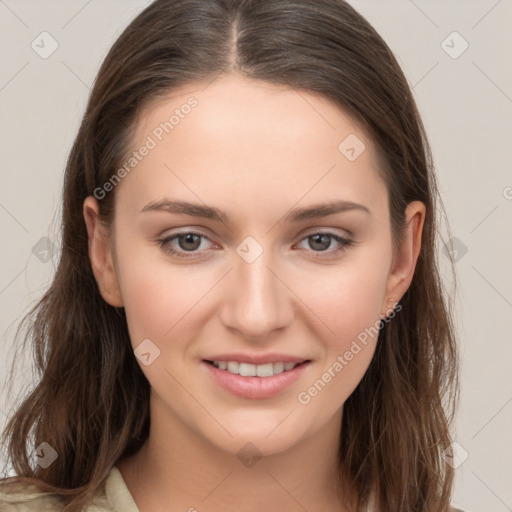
column 245, row 139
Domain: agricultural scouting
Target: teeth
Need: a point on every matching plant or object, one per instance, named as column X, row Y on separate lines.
column 232, row 367
column 253, row 370
column 278, row 368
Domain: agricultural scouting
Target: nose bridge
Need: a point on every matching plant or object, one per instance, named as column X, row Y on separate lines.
column 258, row 300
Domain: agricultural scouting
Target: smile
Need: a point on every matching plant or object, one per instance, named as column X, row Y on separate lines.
column 255, row 381
column 253, row 370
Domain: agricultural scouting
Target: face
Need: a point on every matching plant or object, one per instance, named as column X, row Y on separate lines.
column 243, row 271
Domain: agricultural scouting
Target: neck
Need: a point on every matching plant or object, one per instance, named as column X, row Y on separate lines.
column 177, row 469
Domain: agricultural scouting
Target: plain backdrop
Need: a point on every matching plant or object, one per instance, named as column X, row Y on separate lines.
column 457, row 57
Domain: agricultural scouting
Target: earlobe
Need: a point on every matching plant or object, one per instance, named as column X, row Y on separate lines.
column 402, row 273
column 100, row 254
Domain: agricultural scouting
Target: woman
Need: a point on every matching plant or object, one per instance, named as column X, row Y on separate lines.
column 247, row 311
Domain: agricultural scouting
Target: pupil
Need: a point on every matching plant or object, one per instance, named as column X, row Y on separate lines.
column 190, row 238
column 323, row 246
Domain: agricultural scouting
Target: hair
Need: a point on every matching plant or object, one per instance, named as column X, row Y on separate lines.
column 91, row 401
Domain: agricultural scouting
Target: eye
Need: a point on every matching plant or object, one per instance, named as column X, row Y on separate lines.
column 321, row 241
column 187, row 242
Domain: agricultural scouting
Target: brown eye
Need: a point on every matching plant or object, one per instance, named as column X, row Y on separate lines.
column 319, row 242
column 187, row 242
column 322, row 242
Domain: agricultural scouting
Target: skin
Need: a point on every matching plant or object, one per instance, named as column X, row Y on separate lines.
column 257, row 151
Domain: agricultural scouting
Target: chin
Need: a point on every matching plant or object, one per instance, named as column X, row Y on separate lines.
column 255, row 438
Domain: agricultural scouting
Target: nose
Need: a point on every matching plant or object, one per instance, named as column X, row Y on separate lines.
column 257, row 300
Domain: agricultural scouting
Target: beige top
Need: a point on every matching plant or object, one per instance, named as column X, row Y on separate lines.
column 114, row 497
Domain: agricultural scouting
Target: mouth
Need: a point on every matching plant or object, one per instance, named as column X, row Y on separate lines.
column 254, row 381
column 255, row 370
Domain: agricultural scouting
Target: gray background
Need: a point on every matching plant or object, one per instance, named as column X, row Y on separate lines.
column 465, row 99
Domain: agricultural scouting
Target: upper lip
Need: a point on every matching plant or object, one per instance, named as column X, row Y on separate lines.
column 257, row 358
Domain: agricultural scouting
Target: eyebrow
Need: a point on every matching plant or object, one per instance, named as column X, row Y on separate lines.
column 295, row 215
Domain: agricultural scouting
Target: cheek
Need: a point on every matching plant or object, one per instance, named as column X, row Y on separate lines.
column 160, row 298
column 150, row 292
column 356, row 321
column 350, row 307
column 347, row 299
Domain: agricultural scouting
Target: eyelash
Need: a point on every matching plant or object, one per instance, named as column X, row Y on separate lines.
column 344, row 244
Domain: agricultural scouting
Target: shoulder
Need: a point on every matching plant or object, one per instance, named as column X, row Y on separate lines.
column 28, row 498
column 113, row 495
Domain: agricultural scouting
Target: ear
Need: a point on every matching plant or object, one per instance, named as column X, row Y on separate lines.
column 101, row 254
column 404, row 264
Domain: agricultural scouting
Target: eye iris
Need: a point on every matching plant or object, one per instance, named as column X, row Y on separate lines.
column 317, row 239
column 190, row 238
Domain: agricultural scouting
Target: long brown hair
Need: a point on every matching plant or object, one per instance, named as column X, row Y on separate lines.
column 91, row 402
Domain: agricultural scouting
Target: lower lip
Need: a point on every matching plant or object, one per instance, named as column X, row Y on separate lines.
column 255, row 387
